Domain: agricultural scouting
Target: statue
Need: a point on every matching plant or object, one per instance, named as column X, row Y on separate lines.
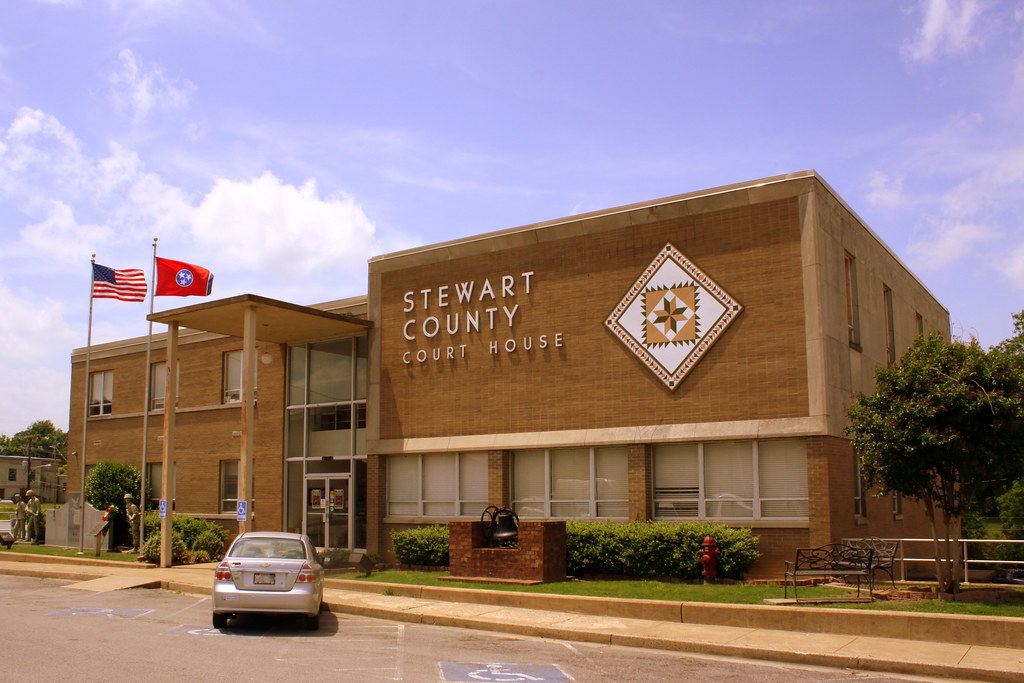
column 35, row 518
column 134, row 519
column 20, row 513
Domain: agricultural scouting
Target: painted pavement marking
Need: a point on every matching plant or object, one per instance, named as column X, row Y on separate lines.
column 462, row 672
column 107, row 612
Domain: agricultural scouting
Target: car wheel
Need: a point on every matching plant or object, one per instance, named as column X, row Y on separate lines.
column 312, row 622
column 220, row 620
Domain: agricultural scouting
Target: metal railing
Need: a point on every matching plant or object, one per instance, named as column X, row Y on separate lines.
column 964, row 544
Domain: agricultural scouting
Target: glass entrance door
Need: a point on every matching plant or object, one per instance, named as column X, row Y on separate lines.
column 327, row 511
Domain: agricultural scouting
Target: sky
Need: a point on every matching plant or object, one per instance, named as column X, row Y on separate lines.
column 283, row 144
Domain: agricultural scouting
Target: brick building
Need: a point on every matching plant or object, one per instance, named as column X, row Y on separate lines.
column 685, row 358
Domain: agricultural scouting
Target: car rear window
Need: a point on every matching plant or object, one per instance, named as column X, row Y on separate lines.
column 274, row 548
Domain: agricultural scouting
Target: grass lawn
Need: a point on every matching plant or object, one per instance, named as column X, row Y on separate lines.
column 67, row 552
column 743, row 594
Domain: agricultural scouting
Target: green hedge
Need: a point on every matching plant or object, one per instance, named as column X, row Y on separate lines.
column 656, row 549
column 425, row 546
column 640, row 549
column 201, row 539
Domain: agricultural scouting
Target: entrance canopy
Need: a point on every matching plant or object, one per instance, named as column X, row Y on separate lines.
column 276, row 321
column 253, row 318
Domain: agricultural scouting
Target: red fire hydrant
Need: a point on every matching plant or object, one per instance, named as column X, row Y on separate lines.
column 709, row 553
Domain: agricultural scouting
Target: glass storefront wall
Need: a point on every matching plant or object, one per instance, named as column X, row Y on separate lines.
column 326, row 442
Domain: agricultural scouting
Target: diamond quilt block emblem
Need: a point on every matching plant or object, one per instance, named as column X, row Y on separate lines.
column 672, row 315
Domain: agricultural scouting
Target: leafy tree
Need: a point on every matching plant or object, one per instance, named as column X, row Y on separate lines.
column 1014, row 346
column 109, row 481
column 41, row 439
column 945, row 426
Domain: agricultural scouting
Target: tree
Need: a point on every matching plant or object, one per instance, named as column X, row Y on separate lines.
column 41, row 439
column 1014, row 346
column 945, row 426
column 109, row 481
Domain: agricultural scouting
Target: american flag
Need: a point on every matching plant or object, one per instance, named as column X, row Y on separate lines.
column 126, row 285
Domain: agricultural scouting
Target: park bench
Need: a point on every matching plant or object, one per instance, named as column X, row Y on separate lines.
column 831, row 561
column 884, row 556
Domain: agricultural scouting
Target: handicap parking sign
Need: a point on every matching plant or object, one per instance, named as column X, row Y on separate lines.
column 163, row 508
column 241, row 512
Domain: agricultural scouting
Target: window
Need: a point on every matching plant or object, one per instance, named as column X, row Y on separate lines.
column 101, row 393
column 890, row 331
column 232, row 377
column 12, row 474
column 228, row 486
column 437, row 484
column 897, row 505
column 158, row 384
column 860, row 509
column 852, row 306
column 155, row 482
column 570, row 483
column 919, row 324
column 731, row 480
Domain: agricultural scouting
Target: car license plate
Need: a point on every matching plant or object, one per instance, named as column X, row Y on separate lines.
column 263, row 579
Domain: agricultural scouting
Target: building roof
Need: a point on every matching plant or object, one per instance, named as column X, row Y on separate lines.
column 278, row 322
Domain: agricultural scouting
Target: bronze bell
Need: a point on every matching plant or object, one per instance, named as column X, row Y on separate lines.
column 503, row 527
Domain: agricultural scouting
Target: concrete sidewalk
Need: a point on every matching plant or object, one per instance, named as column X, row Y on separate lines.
column 939, row 646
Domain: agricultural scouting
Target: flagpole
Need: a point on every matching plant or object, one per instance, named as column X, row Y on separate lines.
column 85, row 416
column 144, row 502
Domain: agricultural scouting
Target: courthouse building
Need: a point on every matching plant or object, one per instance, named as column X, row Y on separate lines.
column 687, row 358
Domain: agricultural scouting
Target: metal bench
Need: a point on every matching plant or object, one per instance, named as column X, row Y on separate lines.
column 884, row 557
column 831, row 561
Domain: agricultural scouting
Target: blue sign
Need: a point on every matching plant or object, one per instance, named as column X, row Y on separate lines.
column 163, row 509
column 241, row 512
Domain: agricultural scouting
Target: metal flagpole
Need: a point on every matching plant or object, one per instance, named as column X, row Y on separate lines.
column 143, row 500
column 85, row 416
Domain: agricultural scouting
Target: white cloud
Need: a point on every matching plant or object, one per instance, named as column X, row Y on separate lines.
column 1013, row 266
column 947, row 27
column 79, row 203
column 281, row 229
column 143, row 88
column 947, row 244
column 884, row 190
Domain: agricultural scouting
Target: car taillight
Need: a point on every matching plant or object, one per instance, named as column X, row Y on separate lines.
column 223, row 572
column 306, row 574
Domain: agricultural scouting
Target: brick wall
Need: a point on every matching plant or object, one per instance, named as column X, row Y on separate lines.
column 593, row 381
column 541, row 555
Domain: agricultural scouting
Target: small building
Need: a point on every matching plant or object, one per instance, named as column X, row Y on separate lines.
column 686, row 358
column 19, row 473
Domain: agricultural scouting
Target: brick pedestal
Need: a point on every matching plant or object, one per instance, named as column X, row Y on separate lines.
column 540, row 557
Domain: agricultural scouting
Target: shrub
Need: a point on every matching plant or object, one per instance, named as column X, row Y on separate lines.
column 208, row 543
column 151, row 549
column 189, row 528
column 195, row 534
column 109, row 481
column 641, row 549
column 424, row 546
column 656, row 549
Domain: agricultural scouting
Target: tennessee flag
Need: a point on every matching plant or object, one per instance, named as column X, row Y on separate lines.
column 177, row 278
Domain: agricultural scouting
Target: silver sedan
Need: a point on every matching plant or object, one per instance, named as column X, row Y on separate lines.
column 269, row 572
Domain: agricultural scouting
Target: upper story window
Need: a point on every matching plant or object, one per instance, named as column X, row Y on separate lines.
column 852, row 304
column 158, row 384
column 101, row 393
column 890, row 326
column 327, row 385
column 232, row 377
